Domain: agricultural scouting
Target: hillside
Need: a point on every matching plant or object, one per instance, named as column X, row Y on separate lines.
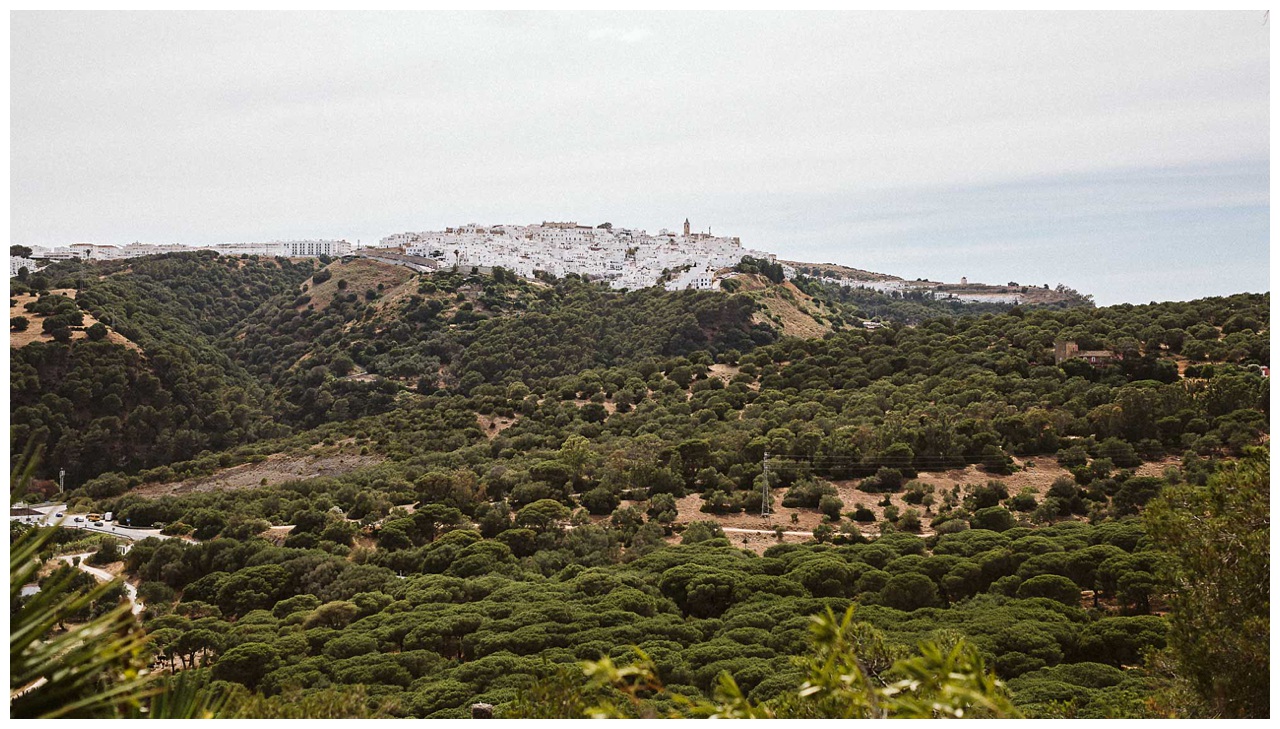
column 460, row 480
column 787, row 309
column 29, row 306
column 167, row 394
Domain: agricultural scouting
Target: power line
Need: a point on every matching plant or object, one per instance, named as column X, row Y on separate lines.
column 879, row 462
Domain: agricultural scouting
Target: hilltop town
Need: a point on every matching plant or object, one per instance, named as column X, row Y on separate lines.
column 625, row 258
column 622, row 258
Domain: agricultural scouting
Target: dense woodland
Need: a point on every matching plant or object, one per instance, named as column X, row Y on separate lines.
column 467, row 561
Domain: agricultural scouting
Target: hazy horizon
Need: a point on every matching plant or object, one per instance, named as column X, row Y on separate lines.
column 1125, row 155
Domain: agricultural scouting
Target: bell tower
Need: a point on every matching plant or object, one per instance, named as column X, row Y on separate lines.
column 686, row 227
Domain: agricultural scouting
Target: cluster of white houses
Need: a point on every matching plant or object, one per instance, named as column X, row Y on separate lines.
column 41, row 256
column 625, row 259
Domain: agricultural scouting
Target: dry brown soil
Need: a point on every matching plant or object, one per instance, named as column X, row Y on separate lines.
column 277, row 468
column 360, row 275
column 492, row 425
column 34, row 332
column 789, row 304
column 1038, row 474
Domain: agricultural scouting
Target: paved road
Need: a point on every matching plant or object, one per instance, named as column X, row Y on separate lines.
column 104, row 576
column 132, row 535
column 764, row 531
column 50, row 518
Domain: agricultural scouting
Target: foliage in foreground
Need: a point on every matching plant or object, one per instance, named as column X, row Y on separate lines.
column 841, row 683
column 92, row 669
column 1220, row 626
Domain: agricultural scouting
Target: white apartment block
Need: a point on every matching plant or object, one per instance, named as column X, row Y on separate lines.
column 626, row 259
column 17, row 262
column 313, row 248
column 695, row 278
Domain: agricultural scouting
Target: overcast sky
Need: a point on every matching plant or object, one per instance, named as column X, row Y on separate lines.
column 1123, row 154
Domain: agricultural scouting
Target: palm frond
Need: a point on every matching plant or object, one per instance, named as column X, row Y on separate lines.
column 93, row 669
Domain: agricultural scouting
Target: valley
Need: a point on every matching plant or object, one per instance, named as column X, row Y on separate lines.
column 422, row 488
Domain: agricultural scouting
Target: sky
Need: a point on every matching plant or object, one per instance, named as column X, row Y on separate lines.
column 1125, row 155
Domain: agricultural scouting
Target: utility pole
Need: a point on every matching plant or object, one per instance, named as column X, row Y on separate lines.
column 764, row 500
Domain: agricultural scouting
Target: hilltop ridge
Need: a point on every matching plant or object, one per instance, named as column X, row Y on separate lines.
column 622, row 258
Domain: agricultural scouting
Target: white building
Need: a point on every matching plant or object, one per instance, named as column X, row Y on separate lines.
column 701, row 279
column 287, row 249
column 625, row 258
column 313, row 248
column 17, row 262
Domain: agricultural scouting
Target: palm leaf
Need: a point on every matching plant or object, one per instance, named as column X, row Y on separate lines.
column 95, row 669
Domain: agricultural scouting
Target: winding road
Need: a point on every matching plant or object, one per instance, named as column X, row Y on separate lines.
column 103, row 576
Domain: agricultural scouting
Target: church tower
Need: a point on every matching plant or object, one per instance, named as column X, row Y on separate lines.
column 686, row 227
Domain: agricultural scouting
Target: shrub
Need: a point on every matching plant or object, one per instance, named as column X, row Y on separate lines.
column 807, row 494
column 909, row 591
column 831, row 506
column 701, row 531
column 1054, row 587
column 885, row 480
column 993, row 518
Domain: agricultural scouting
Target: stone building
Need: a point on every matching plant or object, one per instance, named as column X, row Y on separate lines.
column 1065, row 350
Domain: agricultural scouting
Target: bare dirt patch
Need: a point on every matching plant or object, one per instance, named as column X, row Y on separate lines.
column 1037, row 474
column 789, row 308
column 1156, row 468
column 723, row 371
column 689, row 509
column 34, row 332
column 277, row 468
column 359, row 275
column 492, row 425
column 758, row 542
column 277, row 534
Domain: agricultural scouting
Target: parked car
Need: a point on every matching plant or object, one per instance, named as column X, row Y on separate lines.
column 79, row 518
column 59, row 515
column 97, row 523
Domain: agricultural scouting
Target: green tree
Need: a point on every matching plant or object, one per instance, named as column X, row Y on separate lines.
column 543, row 515
column 1219, row 536
column 993, row 518
column 246, row 663
column 1054, row 587
column 831, row 506
column 838, row 683
column 337, row 615
column 701, row 531
column 662, row 509
column 909, row 591
column 600, row 501
column 577, row 456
